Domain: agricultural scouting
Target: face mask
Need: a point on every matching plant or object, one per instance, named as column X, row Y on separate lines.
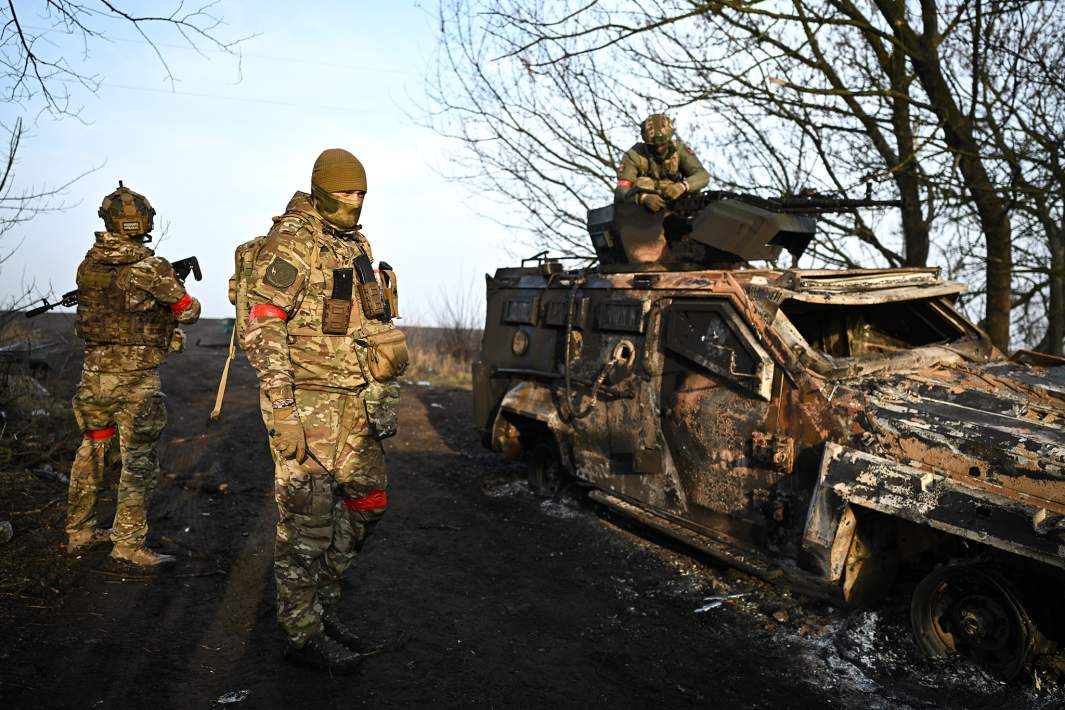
column 342, row 214
column 662, row 150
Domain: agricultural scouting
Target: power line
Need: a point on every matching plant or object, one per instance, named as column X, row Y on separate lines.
column 240, row 99
column 238, row 53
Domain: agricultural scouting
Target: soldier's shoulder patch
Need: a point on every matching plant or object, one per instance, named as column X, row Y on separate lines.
column 280, row 273
column 288, row 224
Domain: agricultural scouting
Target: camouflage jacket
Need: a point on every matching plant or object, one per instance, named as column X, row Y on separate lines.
column 640, row 162
column 151, row 281
column 293, row 278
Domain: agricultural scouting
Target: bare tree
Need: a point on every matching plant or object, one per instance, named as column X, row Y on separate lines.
column 37, row 75
column 794, row 94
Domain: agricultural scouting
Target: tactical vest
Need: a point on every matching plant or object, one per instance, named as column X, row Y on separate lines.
column 339, row 335
column 668, row 169
column 104, row 315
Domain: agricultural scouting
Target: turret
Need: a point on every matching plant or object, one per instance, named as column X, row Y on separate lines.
column 711, row 229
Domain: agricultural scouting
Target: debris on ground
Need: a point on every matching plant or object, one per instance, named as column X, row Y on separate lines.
column 714, row 602
column 235, row 696
column 48, row 473
column 6, row 531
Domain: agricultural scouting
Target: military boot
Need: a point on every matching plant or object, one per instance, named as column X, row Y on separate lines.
column 141, row 557
column 338, row 631
column 83, row 540
column 322, row 652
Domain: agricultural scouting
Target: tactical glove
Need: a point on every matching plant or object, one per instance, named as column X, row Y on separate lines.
column 674, row 190
column 286, row 433
column 652, row 202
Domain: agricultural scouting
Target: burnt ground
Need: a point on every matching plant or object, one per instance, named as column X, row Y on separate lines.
column 486, row 595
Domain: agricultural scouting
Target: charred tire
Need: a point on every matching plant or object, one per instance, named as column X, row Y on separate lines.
column 968, row 609
column 544, row 470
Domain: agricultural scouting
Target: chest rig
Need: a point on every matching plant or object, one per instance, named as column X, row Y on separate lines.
column 666, row 169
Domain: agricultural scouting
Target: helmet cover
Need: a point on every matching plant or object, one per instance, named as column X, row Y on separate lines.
column 657, row 129
column 127, row 212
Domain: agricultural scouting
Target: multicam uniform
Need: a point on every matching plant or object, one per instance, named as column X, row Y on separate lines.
column 679, row 165
column 129, row 301
column 329, row 503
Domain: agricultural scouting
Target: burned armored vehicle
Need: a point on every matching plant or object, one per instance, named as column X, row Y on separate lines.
column 840, row 432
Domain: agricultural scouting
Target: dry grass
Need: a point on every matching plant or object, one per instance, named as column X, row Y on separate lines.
column 442, row 355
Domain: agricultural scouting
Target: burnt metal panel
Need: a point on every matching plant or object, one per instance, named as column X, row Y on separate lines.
column 521, row 310
column 928, row 498
column 555, row 311
column 712, row 335
column 624, row 316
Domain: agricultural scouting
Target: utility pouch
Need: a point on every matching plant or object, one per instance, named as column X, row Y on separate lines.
column 387, row 356
column 369, row 289
column 382, row 408
column 336, row 314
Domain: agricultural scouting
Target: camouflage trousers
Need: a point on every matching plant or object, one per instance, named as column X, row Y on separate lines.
column 324, row 517
column 131, row 405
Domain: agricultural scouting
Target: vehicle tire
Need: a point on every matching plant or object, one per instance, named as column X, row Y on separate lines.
column 544, row 470
column 969, row 610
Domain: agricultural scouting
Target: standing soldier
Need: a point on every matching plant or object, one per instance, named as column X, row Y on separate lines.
column 659, row 170
column 319, row 334
column 129, row 302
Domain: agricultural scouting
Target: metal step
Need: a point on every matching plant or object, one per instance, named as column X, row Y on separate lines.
column 724, row 548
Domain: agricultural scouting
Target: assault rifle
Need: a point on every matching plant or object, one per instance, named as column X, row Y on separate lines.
column 182, row 269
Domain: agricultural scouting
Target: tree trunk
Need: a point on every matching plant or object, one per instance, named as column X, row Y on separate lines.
column 923, row 51
column 1053, row 342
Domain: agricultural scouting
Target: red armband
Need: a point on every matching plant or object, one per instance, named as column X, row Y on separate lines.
column 376, row 499
column 624, row 183
column 100, row 434
column 265, row 310
column 181, row 305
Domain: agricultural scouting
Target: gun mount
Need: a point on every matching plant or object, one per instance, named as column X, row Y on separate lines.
column 714, row 229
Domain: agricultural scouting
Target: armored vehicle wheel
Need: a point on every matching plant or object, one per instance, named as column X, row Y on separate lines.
column 544, row 470
column 967, row 609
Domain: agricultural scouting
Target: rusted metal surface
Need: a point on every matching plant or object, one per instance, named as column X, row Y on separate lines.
column 792, row 414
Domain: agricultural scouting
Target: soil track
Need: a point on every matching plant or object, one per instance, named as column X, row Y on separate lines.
column 489, row 596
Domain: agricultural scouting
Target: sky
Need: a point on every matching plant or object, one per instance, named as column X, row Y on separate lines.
column 224, row 148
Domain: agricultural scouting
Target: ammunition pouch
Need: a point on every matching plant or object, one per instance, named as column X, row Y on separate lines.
column 382, row 408
column 373, row 306
column 336, row 311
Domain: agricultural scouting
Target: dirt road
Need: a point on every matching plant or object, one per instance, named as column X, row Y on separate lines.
column 489, row 596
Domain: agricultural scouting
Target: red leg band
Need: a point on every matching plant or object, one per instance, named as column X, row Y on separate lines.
column 99, row 434
column 181, row 305
column 376, row 499
column 265, row 310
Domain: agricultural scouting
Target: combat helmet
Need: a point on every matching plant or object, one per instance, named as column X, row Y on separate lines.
column 128, row 213
column 657, row 129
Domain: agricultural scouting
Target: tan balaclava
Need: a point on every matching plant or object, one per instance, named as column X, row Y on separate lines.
column 337, row 170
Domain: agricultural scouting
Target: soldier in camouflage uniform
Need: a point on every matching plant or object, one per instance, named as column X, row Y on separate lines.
column 304, row 336
column 659, row 170
column 655, row 173
column 129, row 302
